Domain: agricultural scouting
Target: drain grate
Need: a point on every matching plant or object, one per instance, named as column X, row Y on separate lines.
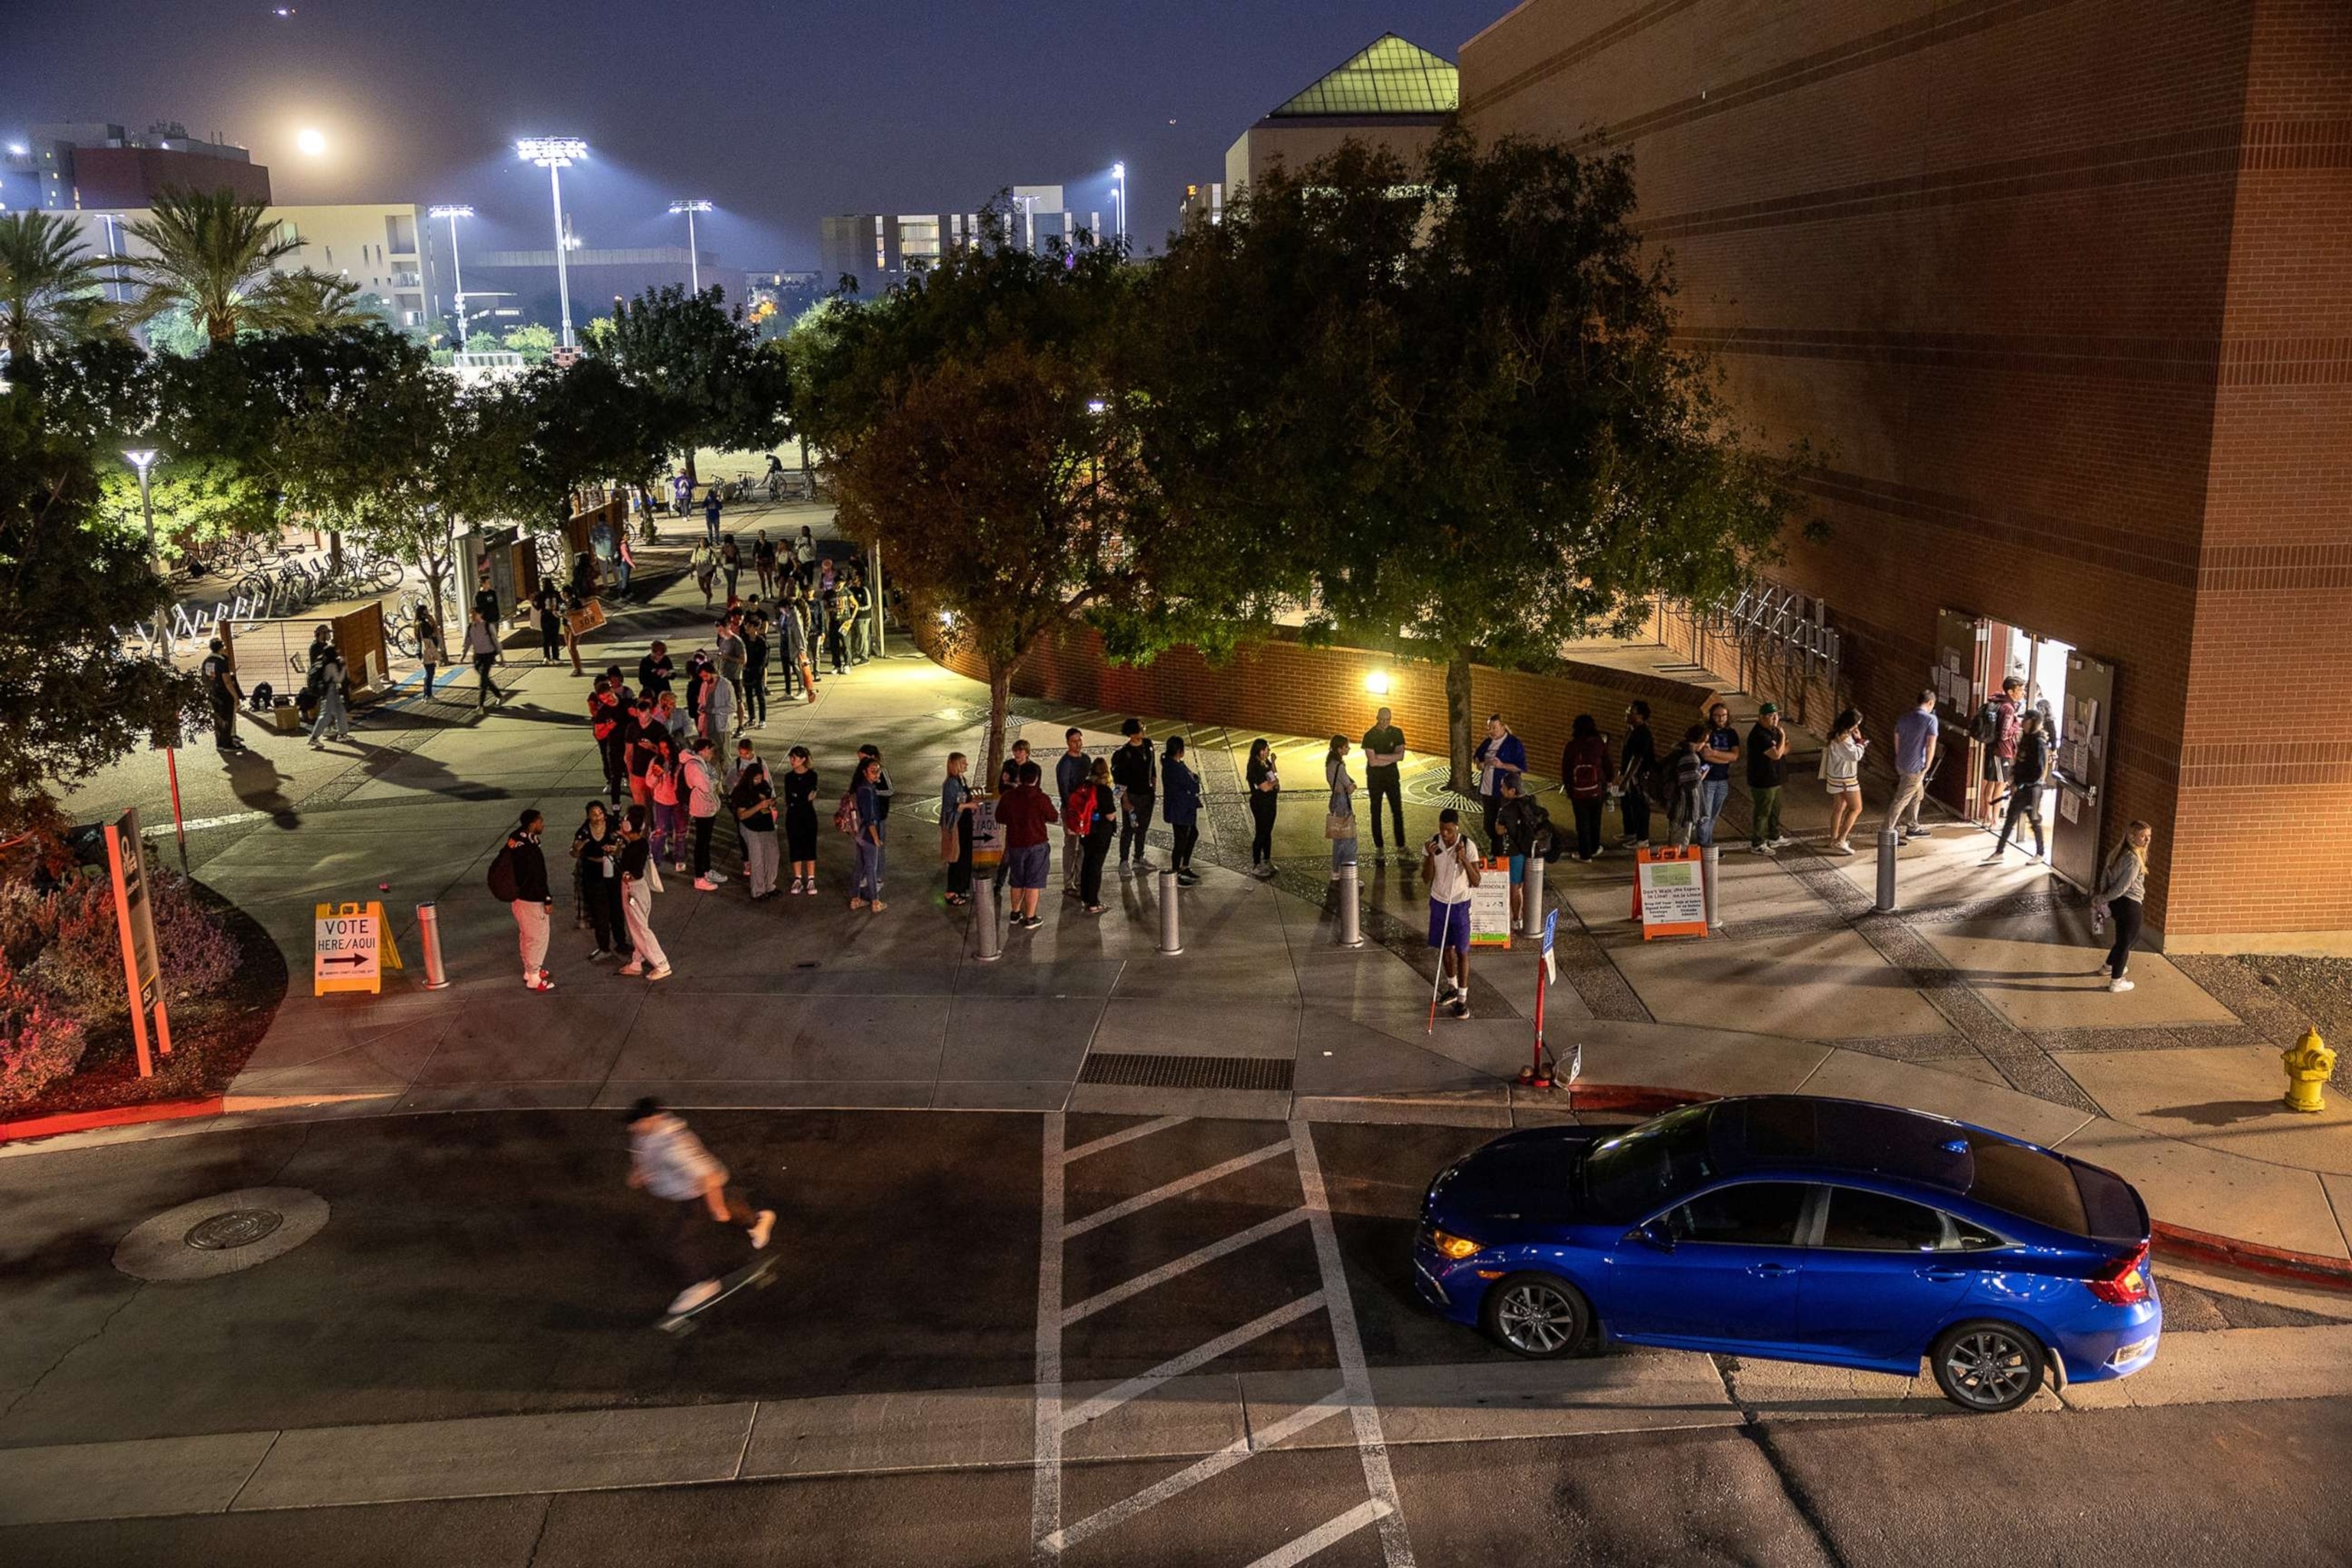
column 1187, row 1072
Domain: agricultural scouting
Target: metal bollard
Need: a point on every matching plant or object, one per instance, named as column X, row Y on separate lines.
column 983, row 920
column 1351, row 911
column 1886, row 843
column 1533, row 925
column 1707, row 865
column 429, row 937
column 1171, row 935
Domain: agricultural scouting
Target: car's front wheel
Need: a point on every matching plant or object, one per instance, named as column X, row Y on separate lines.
column 1535, row 1315
column 1986, row 1367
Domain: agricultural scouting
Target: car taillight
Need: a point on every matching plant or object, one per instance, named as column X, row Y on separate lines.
column 2125, row 1284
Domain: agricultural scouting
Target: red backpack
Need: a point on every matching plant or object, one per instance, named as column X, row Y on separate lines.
column 1080, row 813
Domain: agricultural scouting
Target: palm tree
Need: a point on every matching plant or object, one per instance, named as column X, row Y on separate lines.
column 49, row 285
column 311, row 301
column 211, row 253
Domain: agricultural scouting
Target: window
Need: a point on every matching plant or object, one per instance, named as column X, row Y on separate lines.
column 399, row 231
column 1753, row 1213
column 1643, row 1166
column 1872, row 1222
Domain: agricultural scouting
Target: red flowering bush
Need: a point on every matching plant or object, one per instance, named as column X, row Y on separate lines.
column 66, row 943
column 38, row 1046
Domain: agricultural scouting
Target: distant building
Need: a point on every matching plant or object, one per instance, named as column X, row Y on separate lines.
column 96, row 166
column 1391, row 94
column 596, row 277
column 876, row 249
column 384, row 249
column 1202, row 203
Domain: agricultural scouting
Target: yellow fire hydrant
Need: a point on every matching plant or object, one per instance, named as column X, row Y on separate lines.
column 2308, row 1063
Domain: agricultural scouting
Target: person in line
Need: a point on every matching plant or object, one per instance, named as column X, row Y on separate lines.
column 223, row 694
column 1264, row 781
column 1501, row 755
column 1450, row 870
column 718, row 706
column 672, row 721
column 804, row 550
column 429, row 651
column 1181, row 787
column 1637, row 776
column 755, row 667
column 668, row 1162
column 1841, row 776
column 1339, row 821
column 1520, row 820
column 1997, row 728
column 655, row 673
column 800, row 819
column 726, row 643
column 1008, row 777
column 710, row 518
column 833, row 597
column 661, row 793
column 791, row 636
column 869, row 753
column 605, row 722
column 482, row 648
column 2123, row 888
column 754, row 800
column 1093, row 808
column 860, row 605
column 1767, row 770
column 1023, row 812
column 645, row 954
column 956, row 806
column 866, row 802
column 1131, row 769
column 1720, row 750
column 764, row 561
column 1383, row 746
column 549, row 603
column 327, row 687
column 2028, row 775
column 525, row 890
column 1917, row 736
column 1585, row 772
column 730, row 565
column 699, row 774
column 596, row 854
column 646, row 737
column 703, row 562
column 1686, row 790
column 1071, row 769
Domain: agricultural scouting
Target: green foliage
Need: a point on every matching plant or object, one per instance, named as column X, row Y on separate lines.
column 211, row 254
column 534, row 342
column 306, row 300
column 197, row 501
column 713, row 381
column 49, row 293
column 175, row 332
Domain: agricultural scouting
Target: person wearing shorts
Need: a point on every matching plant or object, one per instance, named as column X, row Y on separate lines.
column 1450, row 868
column 1023, row 812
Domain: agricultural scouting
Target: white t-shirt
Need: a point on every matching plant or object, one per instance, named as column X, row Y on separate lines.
column 1449, row 883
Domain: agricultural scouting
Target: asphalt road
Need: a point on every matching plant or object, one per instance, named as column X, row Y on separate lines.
column 493, row 1263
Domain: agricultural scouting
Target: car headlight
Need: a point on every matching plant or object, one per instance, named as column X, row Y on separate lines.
column 1456, row 1247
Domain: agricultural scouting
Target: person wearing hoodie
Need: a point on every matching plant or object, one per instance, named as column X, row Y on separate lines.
column 531, row 903
column 1179, row 789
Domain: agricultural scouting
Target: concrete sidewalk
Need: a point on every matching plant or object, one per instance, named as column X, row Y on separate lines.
column 1977, row 1000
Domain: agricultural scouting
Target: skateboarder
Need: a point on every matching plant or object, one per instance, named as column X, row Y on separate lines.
column 669, row 1161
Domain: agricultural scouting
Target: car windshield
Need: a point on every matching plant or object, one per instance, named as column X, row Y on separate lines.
column 1631, row 1174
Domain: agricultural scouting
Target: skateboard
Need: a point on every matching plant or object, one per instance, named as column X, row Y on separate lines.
column 758, row 1274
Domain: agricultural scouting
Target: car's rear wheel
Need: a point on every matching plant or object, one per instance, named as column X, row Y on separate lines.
column 1535, row 1315
column 1988, row 1367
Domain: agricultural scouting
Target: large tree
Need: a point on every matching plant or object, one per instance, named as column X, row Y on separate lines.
column 1453, row 389
column 716, row 383
column 49, row 293
column 212, row 254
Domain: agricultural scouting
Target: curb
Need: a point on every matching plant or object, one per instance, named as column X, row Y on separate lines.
column 118, row 1116
column 2303, row 1267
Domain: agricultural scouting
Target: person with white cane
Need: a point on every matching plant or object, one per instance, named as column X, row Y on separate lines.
column 1450, row 868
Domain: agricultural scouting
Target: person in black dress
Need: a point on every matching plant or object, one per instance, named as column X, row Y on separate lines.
column 1265, row 796
column 800, row 821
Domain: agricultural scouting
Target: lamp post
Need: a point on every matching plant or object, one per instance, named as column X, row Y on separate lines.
column 456, row 273
column 142, row 458
column 693, row 256
column 1118, row 174
column 555, row 155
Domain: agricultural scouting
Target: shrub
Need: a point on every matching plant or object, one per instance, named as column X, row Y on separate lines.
column 38, row 1046
column 65, row 941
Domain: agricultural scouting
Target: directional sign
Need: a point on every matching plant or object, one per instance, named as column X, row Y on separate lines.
column 1552, row 928
column 343, row 955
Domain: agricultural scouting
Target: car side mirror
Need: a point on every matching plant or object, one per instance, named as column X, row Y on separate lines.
column 1654, row 1234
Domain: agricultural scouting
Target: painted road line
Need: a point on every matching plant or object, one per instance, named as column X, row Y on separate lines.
column 1118, row 1211
column 1315, row 1540
column 1192, row 1360
column 1127, row 1135
column 1045, row 1444
column 1184, row 1265
column 1355, row 1383
column 1191, row 1476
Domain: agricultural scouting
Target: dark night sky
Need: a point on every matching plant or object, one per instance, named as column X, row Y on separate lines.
column 779, row 112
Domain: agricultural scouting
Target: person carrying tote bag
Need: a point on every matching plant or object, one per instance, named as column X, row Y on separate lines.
column 1339, row 816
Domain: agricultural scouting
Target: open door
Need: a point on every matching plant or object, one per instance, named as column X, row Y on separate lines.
column 2085, row 720
column 1957, row 681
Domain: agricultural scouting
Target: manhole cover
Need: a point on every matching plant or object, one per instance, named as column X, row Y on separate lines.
column 222, row 1233
column 238, row 1228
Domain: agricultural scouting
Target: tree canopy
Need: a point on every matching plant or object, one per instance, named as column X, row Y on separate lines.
column 710, row 379
column 49, row 292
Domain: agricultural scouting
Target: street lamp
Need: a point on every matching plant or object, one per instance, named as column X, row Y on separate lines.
column 142, row 458
column 456, row 273
column 693, row 258
column 555, row 155
column 1118, row 174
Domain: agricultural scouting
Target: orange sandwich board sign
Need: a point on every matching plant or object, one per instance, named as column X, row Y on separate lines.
column 343, row 952
column 1669, row 898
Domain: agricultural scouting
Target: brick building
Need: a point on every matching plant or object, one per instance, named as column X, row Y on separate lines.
column 2063, row 291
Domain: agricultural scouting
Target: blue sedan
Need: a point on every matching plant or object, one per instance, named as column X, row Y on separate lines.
column 1799, row 1228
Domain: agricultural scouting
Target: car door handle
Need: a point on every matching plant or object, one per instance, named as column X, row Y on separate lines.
column 1772, row 1270
column 1945, row 1276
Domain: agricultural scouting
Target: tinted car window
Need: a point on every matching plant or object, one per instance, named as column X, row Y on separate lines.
column 1753, row 1213
column 2027, row 1182
column 1632, row 1173
column 1872, row 1222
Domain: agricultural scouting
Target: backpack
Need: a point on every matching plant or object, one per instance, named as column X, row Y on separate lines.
column 503, row 887
column 1080, row 812
column 1585, row 777
column 844, row 815
column 1986, row 730
column 1549, row 846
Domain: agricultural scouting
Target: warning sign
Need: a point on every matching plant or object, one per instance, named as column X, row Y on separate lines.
column 1490, row 906
column 343, row 954
column 1669, row 897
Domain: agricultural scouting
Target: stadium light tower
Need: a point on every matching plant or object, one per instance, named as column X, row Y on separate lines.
column 555, row 155
column 693, row 256
column 456, row 273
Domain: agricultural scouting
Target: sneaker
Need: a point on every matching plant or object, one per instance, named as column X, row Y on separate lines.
column 1597, row 854
column 1094, row 908
column 1780, row 841
column 717, row 876
column 1187, row 880
column 877, row 907
column 1031, row 922
column 633, row 967
column 1920, row 833
column 1759, row 849
column 1992, row 859
column 2119, row 986
column 661, row 974
column 705, row 885
column 1458, row 1008
column 857, row 904
column 761, row 1229
column 597, row 955
column 1840, row 848
column 693, row 1296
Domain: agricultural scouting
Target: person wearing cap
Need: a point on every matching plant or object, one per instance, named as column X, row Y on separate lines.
column 1767, row 770
column 1449, row 867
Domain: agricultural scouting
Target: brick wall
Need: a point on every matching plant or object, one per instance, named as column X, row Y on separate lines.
column 2062, row 292
column 1283, row 687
